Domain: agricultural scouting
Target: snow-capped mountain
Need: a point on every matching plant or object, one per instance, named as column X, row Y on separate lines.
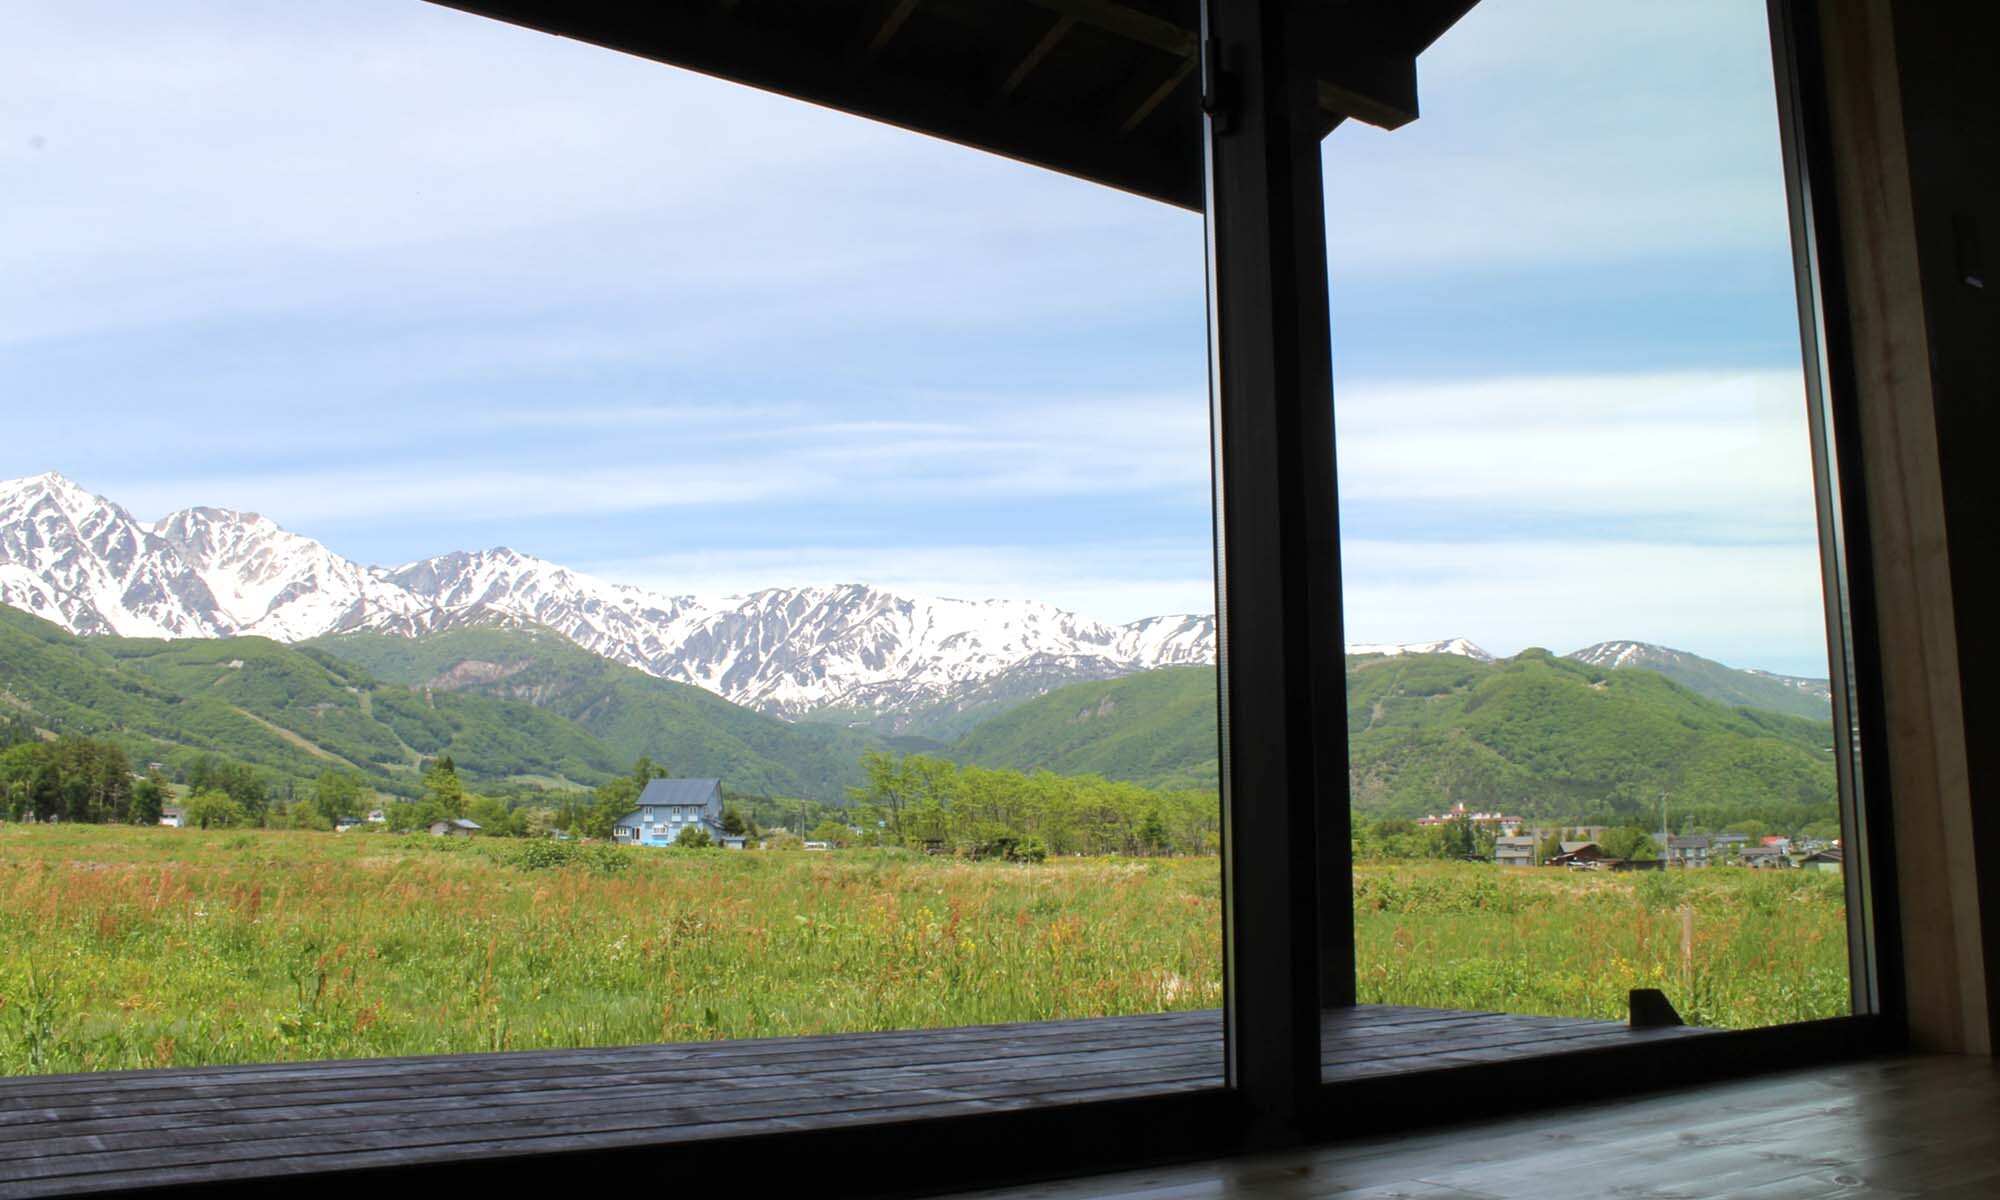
column 1442, row 646
column 85, row 563
column 1795, row 694
column 271, row 582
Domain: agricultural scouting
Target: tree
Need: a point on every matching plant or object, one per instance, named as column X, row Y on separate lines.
column 214, row 810
column 494, row 817
column 694, row 837
column 733, row 822
column 886, row 787
column 1630, row 842
column 832, row 832
column 240, row 782
column 149, row 797
column 45, row 794
column 337, row 794
column 610, row 802
column 443, row 790
column 645, row 771
column 1153, row 835
column 1550, row 847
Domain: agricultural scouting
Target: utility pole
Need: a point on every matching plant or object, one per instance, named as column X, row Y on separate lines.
column 1666, row 839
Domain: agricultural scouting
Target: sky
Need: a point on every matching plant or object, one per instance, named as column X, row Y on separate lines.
column 409, row 281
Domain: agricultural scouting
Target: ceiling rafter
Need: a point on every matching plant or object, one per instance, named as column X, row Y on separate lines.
column 1057, row 31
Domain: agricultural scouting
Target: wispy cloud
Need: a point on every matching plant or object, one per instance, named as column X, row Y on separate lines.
column 701, row 337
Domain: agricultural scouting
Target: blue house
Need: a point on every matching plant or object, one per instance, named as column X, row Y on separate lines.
column 667, row 807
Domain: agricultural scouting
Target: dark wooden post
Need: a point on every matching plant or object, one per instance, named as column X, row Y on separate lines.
column 1286, row 869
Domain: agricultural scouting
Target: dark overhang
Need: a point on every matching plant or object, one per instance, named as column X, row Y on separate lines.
column 1106, row 90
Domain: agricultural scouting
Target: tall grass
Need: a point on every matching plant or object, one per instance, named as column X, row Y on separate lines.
column 1730, row 947
column 143, row 947
column 128, row 948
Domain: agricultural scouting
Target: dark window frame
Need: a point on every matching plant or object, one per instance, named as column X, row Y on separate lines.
column 1287, row 869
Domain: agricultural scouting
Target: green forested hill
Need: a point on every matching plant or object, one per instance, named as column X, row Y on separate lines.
column 685, row 729
column 1156, row 728
column 291, row 711
column 1538, row 735
column 299, row 710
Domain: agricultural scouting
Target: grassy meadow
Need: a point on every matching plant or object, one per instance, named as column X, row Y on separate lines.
column 141, row 947
column 1761, row 947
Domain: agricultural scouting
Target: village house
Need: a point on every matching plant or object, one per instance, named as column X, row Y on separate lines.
column 454, row 827
column 1763, row 858
column 1582, row 856
column 1506, row 825
column 1514, row 851
column 669, row 807
column 173, row 816
column 1829, row 859
column 1690, row 850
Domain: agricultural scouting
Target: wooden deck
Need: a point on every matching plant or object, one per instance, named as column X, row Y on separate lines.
column 78, row 1133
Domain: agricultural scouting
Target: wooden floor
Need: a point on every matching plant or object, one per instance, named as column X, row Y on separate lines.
column 79, row 1133
column 1881, row 1129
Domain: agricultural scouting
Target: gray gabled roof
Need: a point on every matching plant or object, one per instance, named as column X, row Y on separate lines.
column 1693, row 841
column 681, row 791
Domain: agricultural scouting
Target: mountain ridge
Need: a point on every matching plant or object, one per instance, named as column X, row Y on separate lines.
column 840, row 654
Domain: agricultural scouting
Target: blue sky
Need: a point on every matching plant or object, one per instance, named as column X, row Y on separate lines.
column 409, row 281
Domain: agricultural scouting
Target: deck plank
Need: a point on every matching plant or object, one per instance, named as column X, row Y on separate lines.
column 77, row 1133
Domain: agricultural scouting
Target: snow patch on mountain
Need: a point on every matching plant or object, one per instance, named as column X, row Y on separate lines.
column 88, row 565
column 1459, row 646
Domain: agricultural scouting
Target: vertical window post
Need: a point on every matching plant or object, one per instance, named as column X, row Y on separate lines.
column 1286, row 864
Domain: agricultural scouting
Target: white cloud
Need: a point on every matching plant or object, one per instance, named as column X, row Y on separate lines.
column 985, row 447
column 1725, row 449
column 1562, row 133
column 1747, row 606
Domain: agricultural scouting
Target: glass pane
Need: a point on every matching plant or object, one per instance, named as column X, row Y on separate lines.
column 1588, row 701
column 580, row 554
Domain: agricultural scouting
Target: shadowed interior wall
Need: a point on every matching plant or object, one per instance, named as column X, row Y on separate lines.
column 1910, row 105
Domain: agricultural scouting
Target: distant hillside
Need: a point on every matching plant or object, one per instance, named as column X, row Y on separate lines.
column 507, row 705
column 1545, row 736
column 1550, row 736
column 290, row 711
column 1156, row 728
column 686, row 729
column 1799, row 696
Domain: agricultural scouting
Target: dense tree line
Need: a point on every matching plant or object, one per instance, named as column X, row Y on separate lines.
column 73, row 779
column 925, row 802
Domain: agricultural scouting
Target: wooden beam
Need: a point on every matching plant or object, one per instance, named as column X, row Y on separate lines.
column 1157, row 96
column 758, row 48
column 886, row 29
column 1126, row 22
column 1060, row 27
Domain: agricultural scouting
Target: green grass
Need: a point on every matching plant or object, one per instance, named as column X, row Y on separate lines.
column 126, row 947
column 1767, row 947
column 141, row 947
